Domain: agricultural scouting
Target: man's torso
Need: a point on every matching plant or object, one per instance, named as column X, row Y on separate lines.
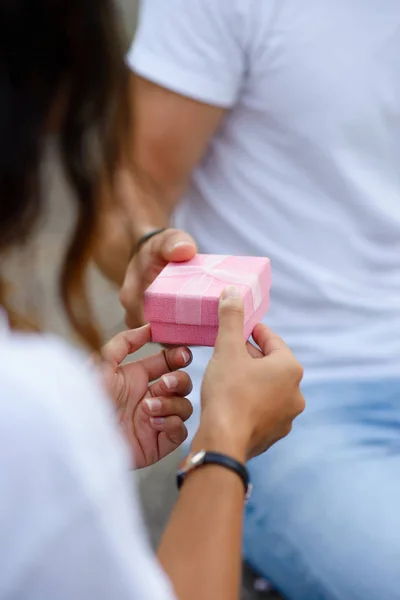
column 306, row 170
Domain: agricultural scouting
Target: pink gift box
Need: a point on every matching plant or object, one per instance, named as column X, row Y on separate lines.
column 182, row 303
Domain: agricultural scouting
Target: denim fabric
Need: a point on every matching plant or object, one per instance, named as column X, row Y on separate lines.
column 323, row 522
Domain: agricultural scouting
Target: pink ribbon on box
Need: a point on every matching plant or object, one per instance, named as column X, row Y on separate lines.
column 202, row 277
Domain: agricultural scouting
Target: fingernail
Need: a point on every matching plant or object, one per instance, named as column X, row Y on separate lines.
column 170, row 382
column 154, row 405
column 230, row 292
column 186, row 356
column 157, row 420
column 181, row 245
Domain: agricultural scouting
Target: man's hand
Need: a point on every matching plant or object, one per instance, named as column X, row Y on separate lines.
column 169, row 245
column 170, row 138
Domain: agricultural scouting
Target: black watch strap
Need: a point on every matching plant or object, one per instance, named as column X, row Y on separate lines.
column 214, row 458
column 145, row 238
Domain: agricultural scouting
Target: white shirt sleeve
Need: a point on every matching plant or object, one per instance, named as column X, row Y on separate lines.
column 192, row 47
column 70, row 525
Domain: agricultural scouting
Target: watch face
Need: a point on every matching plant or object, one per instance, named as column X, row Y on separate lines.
column 193, row 460
column 197, row 458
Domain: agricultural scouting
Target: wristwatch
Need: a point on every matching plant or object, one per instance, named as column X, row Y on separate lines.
column 198, row 459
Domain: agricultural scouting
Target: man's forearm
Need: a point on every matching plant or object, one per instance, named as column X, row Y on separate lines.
column 148, row 205
column 134, row 212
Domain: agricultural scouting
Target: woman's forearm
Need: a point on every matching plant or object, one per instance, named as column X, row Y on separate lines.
column 201, row 547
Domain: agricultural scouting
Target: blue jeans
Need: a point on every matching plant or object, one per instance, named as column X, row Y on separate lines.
column 324, row 519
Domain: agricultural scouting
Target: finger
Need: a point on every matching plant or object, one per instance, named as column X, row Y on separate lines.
column 134, row 317
column 267, row 340
column 172, row 384
column 253, row 351
column 299, row 405
column 130, row 295
column 173, row 245
column 170, row 245
column 134, row 314
column 167, row 407
column 172, row 434
column 139, row 275
column 125, row 343
column 230, row 337
column 166, row 361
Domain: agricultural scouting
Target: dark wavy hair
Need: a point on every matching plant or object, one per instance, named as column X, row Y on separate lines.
column 61, row 66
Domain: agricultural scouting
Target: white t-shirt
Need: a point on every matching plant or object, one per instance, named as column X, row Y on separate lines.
column 305, row 168
column 70, row 528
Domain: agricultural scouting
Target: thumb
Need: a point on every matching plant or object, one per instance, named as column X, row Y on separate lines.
column 124, row 344
column 231, row 320
column 174, row 246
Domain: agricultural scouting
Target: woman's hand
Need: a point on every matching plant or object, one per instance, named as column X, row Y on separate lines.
column 152, row 415
column 250, row 397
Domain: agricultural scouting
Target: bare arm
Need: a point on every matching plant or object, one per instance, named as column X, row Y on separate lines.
column 201, row 547
column 170, row 135
column 249, row 399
